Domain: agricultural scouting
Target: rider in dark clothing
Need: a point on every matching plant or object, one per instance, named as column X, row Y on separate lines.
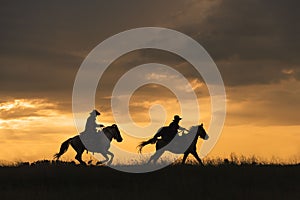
column 174, row 127
column 91, row 125
column 168, row 133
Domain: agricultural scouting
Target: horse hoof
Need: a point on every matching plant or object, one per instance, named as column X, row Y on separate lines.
column 99, row 163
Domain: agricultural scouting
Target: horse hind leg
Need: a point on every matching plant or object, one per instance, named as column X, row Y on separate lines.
column 79, row 150
column 79, row 157
column 159, row 145
column 155, row 157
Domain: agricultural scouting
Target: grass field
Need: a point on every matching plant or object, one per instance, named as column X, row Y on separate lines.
column 65, row 180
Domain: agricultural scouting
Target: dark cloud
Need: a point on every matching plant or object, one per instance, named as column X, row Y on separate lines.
column 43, row 43
column 264, row 105
column 262, row 36
column 251, row 29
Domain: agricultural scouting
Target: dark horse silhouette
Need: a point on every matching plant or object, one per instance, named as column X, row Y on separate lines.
column 111, row 132
column 160, row 143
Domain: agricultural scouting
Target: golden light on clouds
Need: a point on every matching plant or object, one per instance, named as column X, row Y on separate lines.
column 33, row 129
column 29, row 128
column 288, row 71
column 257, row 123
column 258, row 60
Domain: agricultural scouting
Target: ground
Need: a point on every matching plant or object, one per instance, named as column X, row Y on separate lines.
column 60, row 180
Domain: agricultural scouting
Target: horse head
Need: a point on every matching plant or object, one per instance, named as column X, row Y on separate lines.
column 202, row 133
column 112, row 132
column 117, row 135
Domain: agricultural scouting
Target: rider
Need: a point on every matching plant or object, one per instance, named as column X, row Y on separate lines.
column 174, row 127
column 172, row 130
column 91, row 125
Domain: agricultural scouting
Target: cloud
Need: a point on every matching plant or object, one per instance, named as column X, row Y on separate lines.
column 275, row 104
column 252, row 29
column 23, row 117
column 31, row 119
column 253, row 43
column 22, row 108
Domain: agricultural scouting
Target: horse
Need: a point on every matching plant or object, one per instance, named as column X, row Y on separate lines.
column 160, row 143
column 111, row 132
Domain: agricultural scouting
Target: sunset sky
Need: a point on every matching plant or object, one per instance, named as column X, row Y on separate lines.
column 254, row 43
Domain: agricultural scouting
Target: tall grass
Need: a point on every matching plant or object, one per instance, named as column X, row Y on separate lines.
column 233, row 159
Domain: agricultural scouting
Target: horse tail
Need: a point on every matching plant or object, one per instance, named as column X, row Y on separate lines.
column 144, row 143
column 63, row 148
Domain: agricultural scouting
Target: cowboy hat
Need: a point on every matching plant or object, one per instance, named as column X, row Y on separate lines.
column 96, row 112
column 176, row 117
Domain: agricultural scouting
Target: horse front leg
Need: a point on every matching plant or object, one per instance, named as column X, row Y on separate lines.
column 185, row 155
column 103, row 161
column 195, row 154
column 111, row 157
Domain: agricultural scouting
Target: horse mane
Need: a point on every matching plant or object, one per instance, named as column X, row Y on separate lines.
column 192, row 128
column 106, row 128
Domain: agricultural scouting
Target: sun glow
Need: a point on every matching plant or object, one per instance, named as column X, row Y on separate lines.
column 40, row 126
column 16, row 103
column 30, row 123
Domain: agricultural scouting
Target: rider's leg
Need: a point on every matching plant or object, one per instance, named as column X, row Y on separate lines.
column 158, row 133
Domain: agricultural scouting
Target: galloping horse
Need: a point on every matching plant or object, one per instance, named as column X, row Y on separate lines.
column 111, row 132
column 160, row 143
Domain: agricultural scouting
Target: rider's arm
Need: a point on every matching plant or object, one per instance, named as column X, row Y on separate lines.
column 182, row 129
